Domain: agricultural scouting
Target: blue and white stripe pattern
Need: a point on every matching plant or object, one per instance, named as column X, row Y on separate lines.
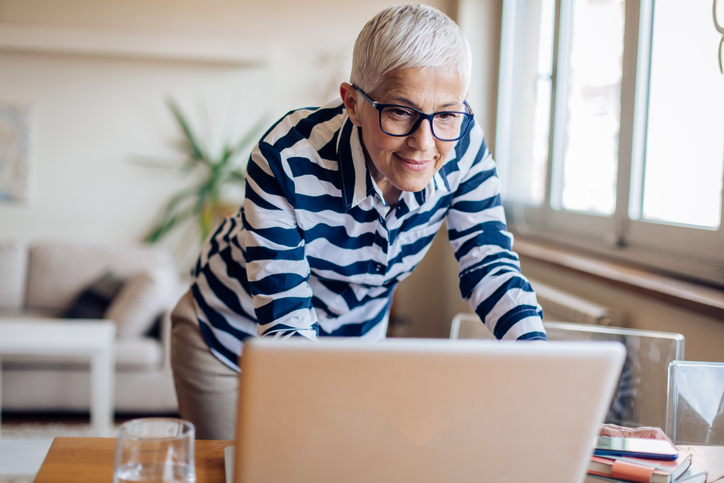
column 315, row 250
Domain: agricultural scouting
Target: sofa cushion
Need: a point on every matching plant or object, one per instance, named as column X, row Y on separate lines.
column 95, row 299
column 59, row 270
column 13, row 274
column 138, row 354
column 142, row 298
column 132, row 355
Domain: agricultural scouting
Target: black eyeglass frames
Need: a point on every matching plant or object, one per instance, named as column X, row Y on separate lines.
column 400, row 121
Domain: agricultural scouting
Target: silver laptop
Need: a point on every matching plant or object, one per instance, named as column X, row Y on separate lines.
column 421, row 410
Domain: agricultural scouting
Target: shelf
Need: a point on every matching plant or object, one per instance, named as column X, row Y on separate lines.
column 124, row 44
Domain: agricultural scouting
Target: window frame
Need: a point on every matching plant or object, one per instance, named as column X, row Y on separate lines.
column 621, row 236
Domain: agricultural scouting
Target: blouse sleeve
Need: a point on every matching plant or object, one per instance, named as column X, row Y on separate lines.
column 490, row 277
column 276, row 266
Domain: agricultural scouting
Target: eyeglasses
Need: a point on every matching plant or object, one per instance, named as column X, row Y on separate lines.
column 400, row 121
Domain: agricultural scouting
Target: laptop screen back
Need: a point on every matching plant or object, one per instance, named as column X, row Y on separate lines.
column 421, row 410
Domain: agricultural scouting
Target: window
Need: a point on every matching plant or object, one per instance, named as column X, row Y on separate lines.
column 610, row 131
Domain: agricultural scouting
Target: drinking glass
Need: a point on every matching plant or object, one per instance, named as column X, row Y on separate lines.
column 155, row 450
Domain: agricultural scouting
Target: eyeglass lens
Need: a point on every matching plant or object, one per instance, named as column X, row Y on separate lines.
column 399, row 121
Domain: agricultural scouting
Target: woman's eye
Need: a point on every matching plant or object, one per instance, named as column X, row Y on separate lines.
column 400, row 112
column 447, row 116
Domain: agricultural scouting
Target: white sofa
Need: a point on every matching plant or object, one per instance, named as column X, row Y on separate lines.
column 44, row 280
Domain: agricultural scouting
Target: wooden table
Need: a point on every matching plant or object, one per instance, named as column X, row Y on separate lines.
column 80, row 460
column 90, row 460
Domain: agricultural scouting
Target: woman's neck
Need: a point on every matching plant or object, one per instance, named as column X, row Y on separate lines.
column 389, row 191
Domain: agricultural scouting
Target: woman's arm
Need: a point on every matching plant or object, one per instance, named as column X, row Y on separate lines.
column 276, row 266
column 645, row 432
column 490, row 277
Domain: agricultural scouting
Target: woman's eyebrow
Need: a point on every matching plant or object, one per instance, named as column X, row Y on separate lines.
column 405, row 101
column 402, row 100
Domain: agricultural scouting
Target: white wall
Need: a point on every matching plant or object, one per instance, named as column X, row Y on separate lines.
column 91, row 118
column 94, row 114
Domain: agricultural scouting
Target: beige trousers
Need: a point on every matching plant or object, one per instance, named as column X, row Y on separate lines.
column 207, row 389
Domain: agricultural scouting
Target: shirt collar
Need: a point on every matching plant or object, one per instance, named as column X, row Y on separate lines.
column 352, row 167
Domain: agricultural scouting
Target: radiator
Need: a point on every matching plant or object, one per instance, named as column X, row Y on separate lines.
column 561, row 306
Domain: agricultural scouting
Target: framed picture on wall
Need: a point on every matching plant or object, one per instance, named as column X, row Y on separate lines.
column 14, row 152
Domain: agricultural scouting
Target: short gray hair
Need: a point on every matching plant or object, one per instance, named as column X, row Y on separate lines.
column 408, row 36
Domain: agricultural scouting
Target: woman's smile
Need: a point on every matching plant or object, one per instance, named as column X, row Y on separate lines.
column 414, row 165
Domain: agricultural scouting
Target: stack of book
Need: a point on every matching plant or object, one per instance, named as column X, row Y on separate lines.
column 626, row 469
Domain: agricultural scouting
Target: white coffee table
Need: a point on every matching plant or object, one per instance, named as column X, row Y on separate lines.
column 87, row 338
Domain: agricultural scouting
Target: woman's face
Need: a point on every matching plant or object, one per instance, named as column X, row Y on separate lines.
column 406, row 163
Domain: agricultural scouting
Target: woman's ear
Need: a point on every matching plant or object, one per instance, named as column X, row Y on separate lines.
column 348, row 94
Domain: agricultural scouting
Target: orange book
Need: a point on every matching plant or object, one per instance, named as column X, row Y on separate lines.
column 639, row 470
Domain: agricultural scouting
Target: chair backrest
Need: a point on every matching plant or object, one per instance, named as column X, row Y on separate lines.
column 469, row 326
column 642, row 391
column 641, row 397
column 695, row 408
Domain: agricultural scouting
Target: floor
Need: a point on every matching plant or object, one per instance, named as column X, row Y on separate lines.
column 20, row 458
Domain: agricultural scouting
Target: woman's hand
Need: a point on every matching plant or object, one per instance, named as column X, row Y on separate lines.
column 645, row 432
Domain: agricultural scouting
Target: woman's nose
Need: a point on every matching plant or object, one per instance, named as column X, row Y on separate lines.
column 422, row 138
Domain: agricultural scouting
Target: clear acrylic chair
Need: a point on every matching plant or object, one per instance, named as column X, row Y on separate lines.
column 641, row 397
column 695, row 408
column 469, row 326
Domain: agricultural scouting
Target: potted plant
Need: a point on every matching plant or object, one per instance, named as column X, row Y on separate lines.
column 205, row 201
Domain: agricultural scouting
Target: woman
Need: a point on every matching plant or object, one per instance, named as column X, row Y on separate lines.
column 342, row 202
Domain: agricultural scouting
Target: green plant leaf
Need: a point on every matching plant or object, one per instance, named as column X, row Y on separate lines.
column 196, row 150
column 162, row 229
column 238, row 176
column 204, row 200
column 168, row 214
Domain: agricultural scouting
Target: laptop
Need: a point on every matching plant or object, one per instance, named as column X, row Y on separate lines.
column 421, row 410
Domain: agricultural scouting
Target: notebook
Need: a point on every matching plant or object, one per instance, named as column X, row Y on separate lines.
column 421, row 410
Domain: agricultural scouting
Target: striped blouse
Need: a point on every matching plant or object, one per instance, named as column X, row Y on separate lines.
column 316, row 251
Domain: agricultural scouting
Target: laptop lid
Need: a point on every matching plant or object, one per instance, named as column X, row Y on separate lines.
column 421, row 410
